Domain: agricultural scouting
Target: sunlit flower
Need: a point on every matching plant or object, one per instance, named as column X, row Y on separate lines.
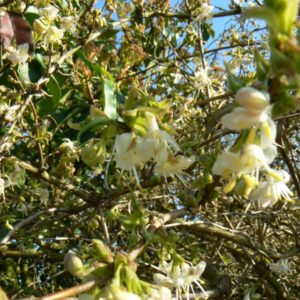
column 2, row 188
column 181, row 277
column 162, row 293
column 240, row 118
column 49, row 12
column 269, row 192
column 39, row 27
column 131, row 151
column 169, row 164
column 253, row 100
column 8, row 112
column 68, row 23
column 203, row 12
column 159, row 138
column 18, row 55
column 255, row 111
column 250, row 159
column 53, row 35
column 202, row 80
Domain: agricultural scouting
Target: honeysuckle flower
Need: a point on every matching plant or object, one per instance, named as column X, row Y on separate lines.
column 2, row 188
column 68, row 23
column 255, row 111
column 181, row 277
column 202, row 80
column 53, row 35
column 269, row 192
column 39, row 27
column 251, row 158
column 169, row 164
column 18, row 55
column 8, row 112
column 203, row 12
column 159, row 138
column 240, row 118
column 162, row 293
column 252, row 100
column 130, row 151
column 281, row 267
column 49, row 12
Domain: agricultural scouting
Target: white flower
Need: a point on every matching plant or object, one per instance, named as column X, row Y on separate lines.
column 49, row 12
column 9, row 112
column 255, row 111
column 18, row 55
column 250, row 159
column 240, row 118
column 169, row 165
column 282, row 266
column 53, row 35
column 131, row 151
column 162, row 293
column 269, row 192
column 253, row 100
column 2, row 188
column 159, row 138
column 203, row 12
column 181, row 277
column 68, row 23
column 202, row 80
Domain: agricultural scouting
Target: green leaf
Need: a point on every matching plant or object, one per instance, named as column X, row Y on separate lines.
column 234, row 83
column 23, row 72
column 266, row 14
column 54, row 89
column 94, row 123
column 47, row 106
column 110, row 100
column 36, row 71
column 31, row 17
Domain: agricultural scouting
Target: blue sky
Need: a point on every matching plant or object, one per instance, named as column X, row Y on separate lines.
column 218, row 23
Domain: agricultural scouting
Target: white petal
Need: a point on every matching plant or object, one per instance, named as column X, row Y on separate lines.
column 240, row 118
column 253, row 100
column 226, row 163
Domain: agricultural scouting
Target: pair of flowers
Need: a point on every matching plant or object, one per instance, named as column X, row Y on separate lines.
column 257, row 153
column 181, row 276
column 132, row 150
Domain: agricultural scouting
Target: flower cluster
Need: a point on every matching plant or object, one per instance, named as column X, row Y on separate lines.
column 132, row 150
column 181, row 276
column 256, row 154
column 45, row 27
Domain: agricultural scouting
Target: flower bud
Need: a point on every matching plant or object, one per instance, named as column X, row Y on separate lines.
column 253, row 100
column 102, row 251
column 73, row 264
column 39, row 27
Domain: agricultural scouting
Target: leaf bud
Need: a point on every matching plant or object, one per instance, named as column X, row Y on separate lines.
column 102, row 252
